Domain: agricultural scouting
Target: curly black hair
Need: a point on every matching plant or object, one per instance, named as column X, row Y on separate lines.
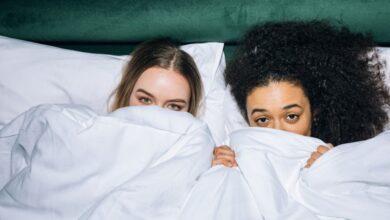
column 339, row 71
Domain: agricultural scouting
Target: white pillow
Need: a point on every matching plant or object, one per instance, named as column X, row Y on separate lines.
column 32, row 74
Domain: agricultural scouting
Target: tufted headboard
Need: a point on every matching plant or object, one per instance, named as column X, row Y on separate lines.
column 115, row 26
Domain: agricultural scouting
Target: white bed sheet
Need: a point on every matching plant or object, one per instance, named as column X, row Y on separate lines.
column 351, row 181
column 66, row 162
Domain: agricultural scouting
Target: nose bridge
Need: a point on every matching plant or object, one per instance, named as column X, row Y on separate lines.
column 159, row 104
column 278, row 124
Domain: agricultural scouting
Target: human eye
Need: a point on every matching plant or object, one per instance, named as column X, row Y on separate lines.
column 292, row 117
column 174, row 107
column 145, row 100
column 262, row 121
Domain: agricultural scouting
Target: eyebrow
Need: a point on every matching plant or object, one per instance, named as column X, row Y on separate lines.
column 285, row 108
column 258, row 110
column 292, row 106
column 178, row 100
column 143, row 91
column 150, row 94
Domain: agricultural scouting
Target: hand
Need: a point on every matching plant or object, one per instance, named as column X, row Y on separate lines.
column 224, row 155
column 317, row 154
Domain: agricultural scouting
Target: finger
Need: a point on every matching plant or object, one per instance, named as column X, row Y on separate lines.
column 225, row 157
column 322, row 149
column 309, row 162
column 315, row 155
column 330, row 145
column 220, row 151
column 221, row 162
column 223, row 147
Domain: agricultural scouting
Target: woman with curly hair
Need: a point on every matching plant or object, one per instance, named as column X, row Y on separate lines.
column 309, row 78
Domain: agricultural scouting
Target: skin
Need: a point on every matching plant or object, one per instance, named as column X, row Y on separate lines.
column 165, row 88
column 279, row 105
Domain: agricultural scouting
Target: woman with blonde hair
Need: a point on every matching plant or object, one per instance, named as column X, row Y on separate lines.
column 160, row 73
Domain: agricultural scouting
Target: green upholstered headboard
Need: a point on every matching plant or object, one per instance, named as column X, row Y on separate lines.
column 115, row 26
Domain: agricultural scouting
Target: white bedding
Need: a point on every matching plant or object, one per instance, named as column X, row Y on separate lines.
column 66, row 162
column 351, row 181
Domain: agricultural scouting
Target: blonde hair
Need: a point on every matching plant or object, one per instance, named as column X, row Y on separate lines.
column 164, row 54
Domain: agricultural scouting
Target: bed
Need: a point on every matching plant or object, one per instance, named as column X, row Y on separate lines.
column 72, row 52
column 114, row 28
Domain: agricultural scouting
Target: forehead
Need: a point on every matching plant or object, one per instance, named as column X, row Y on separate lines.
column 163, row 82
column 277, row 94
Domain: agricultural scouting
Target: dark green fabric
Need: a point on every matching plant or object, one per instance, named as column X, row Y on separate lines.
column 95, row 22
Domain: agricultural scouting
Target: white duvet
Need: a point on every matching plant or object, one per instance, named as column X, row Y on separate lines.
column 66, row 162
column 351, row 181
